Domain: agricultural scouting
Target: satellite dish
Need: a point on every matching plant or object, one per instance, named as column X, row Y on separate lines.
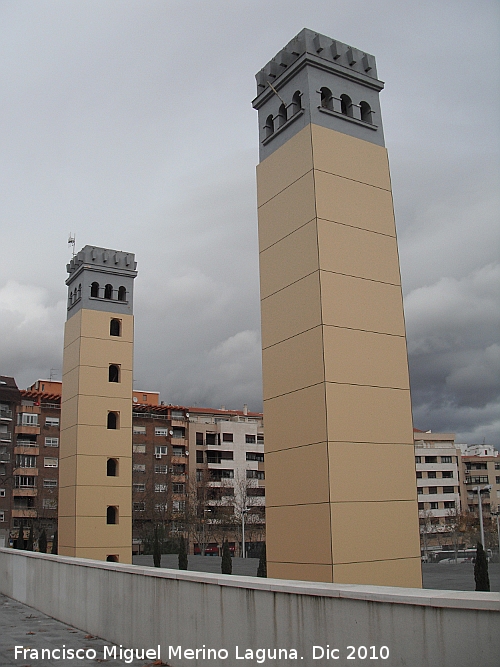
column 135, row 399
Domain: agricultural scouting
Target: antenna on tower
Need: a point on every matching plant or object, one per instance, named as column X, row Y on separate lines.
column 71, row 241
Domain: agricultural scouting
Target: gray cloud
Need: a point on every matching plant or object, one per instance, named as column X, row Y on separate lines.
column 131, row 125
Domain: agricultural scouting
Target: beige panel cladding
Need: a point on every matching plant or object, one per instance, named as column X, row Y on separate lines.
column 368, row 414
column 282, row 432
column 67, row 500
column 95, row 382
column 291, row 311
column 287, row 211
column 314, row 522
column 404, row 572
column 356, row 252
column 101, row 353
column 366, row 531
column 299, row 571
column 289, row 260
column 370, row 472
column 93, row 410
column 355, row 303
column 71, row 359
column 340, row 154
column 93, row 500
column 284, row 166
column 67, row 471
column 69, row 414
column 281, row 376
column 364, row 357
column 349, row 202
column 94, row 532
column 122, row 552
column 95, row 324
column 306, row 480
column 92, row 470
column 91, row 438
column 72, row 329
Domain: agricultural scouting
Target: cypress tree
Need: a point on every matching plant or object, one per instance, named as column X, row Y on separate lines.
column 226, row 564
column 29, row 546
column 42, row 542
column 156, row 548
column 262, row 569
column 183, row 557
column 54, row 544
column 481, row 569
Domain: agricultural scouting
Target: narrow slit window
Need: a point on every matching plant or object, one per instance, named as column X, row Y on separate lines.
column 269, row 126
column 114, row 373
column 366, row 112
column 112, row 468
column 346, row 105
column 113, row 420
column 115, row 328
column 122, row 293
column 282, row 115
column 112, row 514
column 296, row 102
column 108, row 291
column 94, row 290
column 326, row 98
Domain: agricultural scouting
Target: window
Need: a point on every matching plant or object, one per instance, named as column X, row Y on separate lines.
column 51, row 442
column 449, row 504
column 50, row 483
column 25, row 461
column 419, row 474
column 94, row 290
column 49, row 503
column 256, row 492
column 139, row 449
column 210, row 437
column 160, row 430
column 497, row 466
column 281, row 115
column 431, row 474
column 421, row 506
column 178, row 488
column 139, row 507
column 160, row 488
column 24, row 482
column 478, row 479
column 255, row 456
column 2, row 517
column 269, row 126
column 161, row 469
column 250, row 439
column 296, row 102
column 434, row 506
column 178, row 506
column 199, row 456
column 216, row 475
column 108, row 291
column 420, row 490
column 431, row 459
column 113, row 420
column 227, row 437
column 139, row 467
column 112, row 468
column 448, row 489
column 139, row 488
column 160, row 450
column 52, row 421
column 115, row 327
column 326, row 98
column 255, row 474
column 160, row 507
column 178, row 451
column 178, row 432
column 418, row 459
column 139, row 430
column 112, row 559
column 447, row 474
column 446, row 459
column 50, row 462
column 432, row 489
column 112, row 514
column 497, row 479
column 122, row 293
column 366, row 112
column 177, row 414
column 199, row 439
column 178, row 469
column 3, row 469
column 199, row 475
column 346, row 105
column 260, row 437
column 2, row 493
column 28, row 419
column 114, row 373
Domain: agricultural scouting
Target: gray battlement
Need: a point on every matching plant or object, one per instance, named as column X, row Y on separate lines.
column 103, row 258
column 342, row 57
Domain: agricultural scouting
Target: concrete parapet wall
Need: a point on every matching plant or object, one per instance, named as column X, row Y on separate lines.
column 142, row 607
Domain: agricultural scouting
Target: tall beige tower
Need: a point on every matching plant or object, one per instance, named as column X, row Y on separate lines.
column 340, row 491
column 95, row 477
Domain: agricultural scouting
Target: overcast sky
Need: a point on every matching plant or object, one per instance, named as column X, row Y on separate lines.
column 129, row 123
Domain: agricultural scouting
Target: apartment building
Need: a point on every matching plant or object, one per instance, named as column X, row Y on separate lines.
column 481, row 468
column 10, row 399
column 227, row 448
column 438, row 473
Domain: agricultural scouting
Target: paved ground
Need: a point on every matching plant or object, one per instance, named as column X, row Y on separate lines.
column 25, row 627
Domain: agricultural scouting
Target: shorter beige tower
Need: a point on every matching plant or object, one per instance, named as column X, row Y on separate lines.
column 95, row 495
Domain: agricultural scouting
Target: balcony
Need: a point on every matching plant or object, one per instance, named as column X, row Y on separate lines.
column 179, row 422
column 27, row 430
column 178, row 441
column 25, row 492
column 6, row 436
column 6, row 414
column 26, row 447
column 33, row 472
column 24, row 514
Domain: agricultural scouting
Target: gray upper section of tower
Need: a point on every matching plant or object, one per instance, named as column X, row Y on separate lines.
column 101, row 279
column 319, row 80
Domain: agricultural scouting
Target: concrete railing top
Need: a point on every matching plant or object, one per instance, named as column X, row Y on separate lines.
column 391, row 594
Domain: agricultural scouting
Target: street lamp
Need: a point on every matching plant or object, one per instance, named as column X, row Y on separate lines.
column 243, row 512
column 479, row 491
